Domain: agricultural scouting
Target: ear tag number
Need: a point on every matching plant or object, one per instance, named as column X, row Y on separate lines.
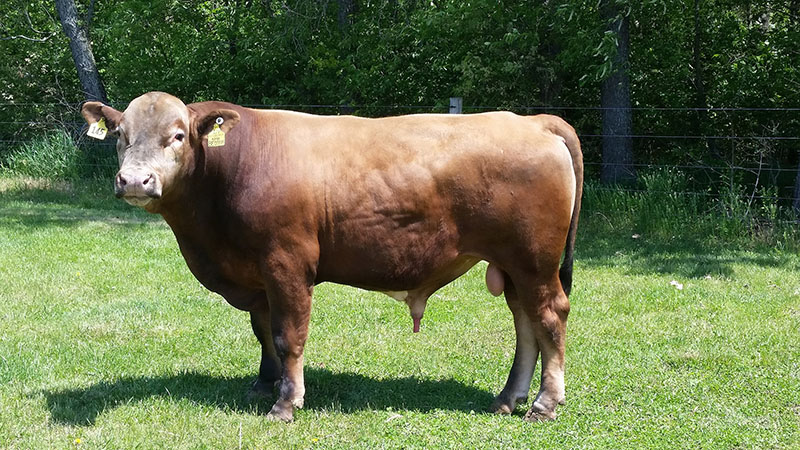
column 98, row 129
column 216, row 138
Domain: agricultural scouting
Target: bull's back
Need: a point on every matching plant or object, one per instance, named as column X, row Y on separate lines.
column 488, row 147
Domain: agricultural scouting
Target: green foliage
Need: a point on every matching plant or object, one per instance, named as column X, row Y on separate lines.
column 36, row 64
column 754, row 215
column 404, row 51
column 658, row 205
column 667, row 203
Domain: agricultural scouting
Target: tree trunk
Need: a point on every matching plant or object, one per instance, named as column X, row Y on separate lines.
column 550, row 82
column 616, row 103
column 796, row 201
column 700, row 97
column 346, row 9
column 91, row 83
column 794, row 18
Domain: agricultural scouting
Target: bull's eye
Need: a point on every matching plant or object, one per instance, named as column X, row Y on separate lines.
column 179, row 136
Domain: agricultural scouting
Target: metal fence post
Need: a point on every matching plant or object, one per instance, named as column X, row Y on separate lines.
column 455, row 105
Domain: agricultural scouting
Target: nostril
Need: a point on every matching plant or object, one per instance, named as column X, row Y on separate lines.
column 122, row 181
column 147, row 180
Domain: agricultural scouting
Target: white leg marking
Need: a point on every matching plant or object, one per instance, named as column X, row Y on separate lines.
column 529, row 352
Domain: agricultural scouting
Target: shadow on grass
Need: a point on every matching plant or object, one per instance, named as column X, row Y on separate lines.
column 346, row 392
column 34, row 203
column 98, row 192
column 683, row 255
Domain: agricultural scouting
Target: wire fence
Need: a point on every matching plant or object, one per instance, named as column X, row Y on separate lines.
column 756, row 149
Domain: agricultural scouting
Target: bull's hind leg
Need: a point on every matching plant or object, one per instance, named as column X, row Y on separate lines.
column 525, row 356
column 548, row 309
column 270, row 369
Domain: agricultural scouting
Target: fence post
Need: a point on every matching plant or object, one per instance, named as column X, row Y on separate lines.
column 455, row 105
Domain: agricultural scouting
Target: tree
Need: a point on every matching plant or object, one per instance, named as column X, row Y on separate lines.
column 616, row 103
column 794, row 20
column 81, row 49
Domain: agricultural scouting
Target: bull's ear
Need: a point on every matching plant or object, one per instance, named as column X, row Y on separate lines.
column 94, row 111
column 228, row 118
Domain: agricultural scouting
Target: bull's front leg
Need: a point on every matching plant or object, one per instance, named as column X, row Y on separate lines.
column 270, row 368
column 289, row 293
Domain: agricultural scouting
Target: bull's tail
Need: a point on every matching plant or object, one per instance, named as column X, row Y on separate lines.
column 566, row 131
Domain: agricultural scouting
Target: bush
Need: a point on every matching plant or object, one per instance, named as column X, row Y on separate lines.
column 56, row 157
column 664, row 205
column 52, row 157
column 667, row 203
column 659, row 203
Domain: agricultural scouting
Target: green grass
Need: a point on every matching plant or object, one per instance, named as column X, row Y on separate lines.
column 106, row 338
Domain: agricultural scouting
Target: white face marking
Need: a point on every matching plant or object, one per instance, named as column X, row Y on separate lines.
column 400, row 296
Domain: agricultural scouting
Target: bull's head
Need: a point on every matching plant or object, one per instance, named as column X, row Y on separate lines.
column 158, row 137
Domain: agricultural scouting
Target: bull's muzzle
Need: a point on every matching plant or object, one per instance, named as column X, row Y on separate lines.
column 137, row 187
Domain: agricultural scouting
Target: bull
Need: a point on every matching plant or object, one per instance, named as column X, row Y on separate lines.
column 266, row 204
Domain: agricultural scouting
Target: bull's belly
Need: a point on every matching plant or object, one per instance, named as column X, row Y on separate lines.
column 398, row 280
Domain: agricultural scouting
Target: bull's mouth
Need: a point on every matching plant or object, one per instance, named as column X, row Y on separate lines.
column 136, row 200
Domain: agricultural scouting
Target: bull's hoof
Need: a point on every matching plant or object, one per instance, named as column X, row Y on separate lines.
column 538, row 413
column 501, row 408
column 260, row 390
column 281, row 411
column 532, row 416
column 504, row 405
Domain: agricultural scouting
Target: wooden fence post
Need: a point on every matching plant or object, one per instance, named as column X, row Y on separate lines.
column 455, row 105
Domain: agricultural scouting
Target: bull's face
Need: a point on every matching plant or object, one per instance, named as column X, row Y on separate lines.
column 158, row 137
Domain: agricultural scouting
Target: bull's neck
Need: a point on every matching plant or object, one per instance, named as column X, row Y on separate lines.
column 196, row 205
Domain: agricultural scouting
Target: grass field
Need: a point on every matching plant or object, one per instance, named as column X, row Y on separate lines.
column 107, row 341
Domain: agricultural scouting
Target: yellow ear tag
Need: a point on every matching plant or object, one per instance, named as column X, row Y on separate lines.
column 98, row 129
column 216, row 138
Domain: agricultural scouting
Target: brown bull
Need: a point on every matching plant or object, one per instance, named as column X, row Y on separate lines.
column 267, row 204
